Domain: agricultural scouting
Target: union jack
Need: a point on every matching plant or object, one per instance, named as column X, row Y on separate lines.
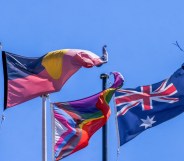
column 146, row 96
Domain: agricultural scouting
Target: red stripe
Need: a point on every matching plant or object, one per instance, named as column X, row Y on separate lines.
column 126, row 109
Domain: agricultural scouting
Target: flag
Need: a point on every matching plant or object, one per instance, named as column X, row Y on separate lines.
column 147, row 106
column 26, row 78
column 76, row 121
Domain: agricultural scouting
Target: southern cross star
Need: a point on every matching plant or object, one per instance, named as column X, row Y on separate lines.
column 148, row 122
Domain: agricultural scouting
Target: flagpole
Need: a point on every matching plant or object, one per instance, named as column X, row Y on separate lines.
column 44, row 128
column 53, row 130
column 2, row 117
column 104, row 78
column 117, row 129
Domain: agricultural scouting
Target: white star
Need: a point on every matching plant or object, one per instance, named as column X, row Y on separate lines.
column 148, row 122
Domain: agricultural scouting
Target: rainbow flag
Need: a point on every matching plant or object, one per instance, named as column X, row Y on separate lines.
column 26, row 78
column 76, row 121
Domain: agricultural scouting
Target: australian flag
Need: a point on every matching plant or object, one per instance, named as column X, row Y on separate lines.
column 147, row 106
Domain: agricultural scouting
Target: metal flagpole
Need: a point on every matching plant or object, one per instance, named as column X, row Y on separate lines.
column 2, row 117
column 104, row 78
column 53, row 129
column 44, row 128
column 117, row 129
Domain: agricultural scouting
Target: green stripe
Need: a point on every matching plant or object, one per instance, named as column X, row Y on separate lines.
column 109, row 95
column 92, row 115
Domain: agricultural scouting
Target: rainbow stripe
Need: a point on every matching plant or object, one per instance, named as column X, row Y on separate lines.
column 27, row 78
column 76, row 121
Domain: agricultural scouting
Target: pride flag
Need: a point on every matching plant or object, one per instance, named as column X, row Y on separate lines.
column 76, row 121
column 26, row 78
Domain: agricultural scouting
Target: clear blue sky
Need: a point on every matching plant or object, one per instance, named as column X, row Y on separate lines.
column 139, row 35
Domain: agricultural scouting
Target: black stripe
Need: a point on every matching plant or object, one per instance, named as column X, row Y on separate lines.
column 5, row 78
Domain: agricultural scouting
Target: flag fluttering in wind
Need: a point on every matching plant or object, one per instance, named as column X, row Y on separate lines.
column 147, row 106
column 26, row 78
column 76, row 121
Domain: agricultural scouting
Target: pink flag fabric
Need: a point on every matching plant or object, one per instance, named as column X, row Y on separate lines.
column 26, row 78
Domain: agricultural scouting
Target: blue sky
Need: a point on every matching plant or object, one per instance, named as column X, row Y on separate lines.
column 139, row 36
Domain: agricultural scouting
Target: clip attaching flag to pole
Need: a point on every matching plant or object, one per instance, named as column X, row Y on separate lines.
column 105, row 54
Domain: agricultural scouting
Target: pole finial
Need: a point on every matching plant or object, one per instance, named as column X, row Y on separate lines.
column 104, row 75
